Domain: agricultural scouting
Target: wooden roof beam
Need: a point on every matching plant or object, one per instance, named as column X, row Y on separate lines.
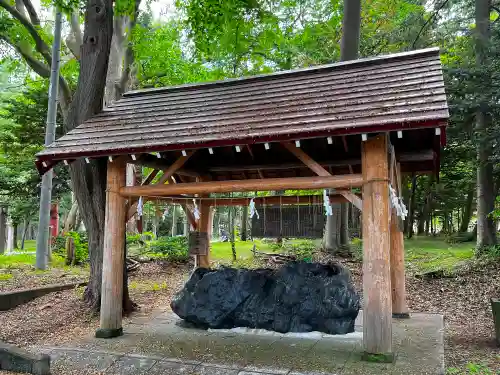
column 320, row 171
column 300, row 183
column 404, row 157
column 346, row 149
column 169, row 172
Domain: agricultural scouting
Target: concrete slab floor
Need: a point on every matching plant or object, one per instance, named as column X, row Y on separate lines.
column 163, row 345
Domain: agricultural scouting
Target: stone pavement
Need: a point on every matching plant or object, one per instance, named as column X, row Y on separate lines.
column 161, row 344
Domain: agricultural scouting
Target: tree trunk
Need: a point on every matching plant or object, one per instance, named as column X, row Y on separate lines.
column 351, row 25
column 244, row 224
column 70, row 222
column 174, row 221
column 15, row 227
column 349, row 50
column 186, row 226
column 3, row 229
column 131, row 181
column 89, row 180
column 411, row 214
column 25, row 232
column 231, row 231
column 426, row 209
column 331, row 237
column 217, row 222
column 486, row 231
column 344, row 227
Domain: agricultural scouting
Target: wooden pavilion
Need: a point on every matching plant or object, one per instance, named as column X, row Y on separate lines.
column 353, row 124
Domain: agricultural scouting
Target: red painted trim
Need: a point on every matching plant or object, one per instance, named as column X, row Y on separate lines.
column 53, row 160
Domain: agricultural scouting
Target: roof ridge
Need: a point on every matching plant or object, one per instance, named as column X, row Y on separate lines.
column 339, row 64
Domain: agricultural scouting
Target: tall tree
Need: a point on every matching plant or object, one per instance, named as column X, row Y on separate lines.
column 92, row 49
column 486, row 231
column 349, row 50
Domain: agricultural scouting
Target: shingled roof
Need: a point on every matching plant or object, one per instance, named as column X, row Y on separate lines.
column 400, row 91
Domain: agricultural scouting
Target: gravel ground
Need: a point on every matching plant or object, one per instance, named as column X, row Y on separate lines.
column 464, row 300
column 29, row 278
column 60, row 317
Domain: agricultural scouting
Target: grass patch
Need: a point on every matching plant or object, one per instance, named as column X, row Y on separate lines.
column 17, row 260
column 29, row 245
column 147, row 286
column 425, row 254
column 222, row 250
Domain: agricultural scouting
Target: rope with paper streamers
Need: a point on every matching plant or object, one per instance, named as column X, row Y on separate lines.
column 196, row 211
column 253, row 210
column 326, row 204
column 140, row 206
column 397, row 203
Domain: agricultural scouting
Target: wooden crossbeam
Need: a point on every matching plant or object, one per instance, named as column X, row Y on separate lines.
column 301, row 183
column 320, row 171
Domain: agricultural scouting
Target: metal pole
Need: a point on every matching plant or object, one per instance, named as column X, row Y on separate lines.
column 42, row 239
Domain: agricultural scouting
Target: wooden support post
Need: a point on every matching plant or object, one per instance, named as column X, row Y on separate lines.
column 114, row 254
column 399, row 305
column 205, row 225
column 377, row 302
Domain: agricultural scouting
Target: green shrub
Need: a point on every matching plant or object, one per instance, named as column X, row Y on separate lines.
column 134, row 239
column 140, row 238
column 489, row 252
column 460, row 237
column 174, row 249
column 303, row 250
column 471, row 369
column 81, row 246
column 59, row 243
column 148, row 236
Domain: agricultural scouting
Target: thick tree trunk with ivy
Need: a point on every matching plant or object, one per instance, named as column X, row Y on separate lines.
column 89, row 180
column 486, row 231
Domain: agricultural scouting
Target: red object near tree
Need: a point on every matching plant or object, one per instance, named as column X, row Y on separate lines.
column 54, row 220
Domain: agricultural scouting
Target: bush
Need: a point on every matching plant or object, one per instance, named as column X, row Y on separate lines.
column 140, row 239
column 471, row 369
column 489, row 252
column 303, row 250
column 174, row 249
column 59, row 244
column 461, row 237
column 81, row 246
